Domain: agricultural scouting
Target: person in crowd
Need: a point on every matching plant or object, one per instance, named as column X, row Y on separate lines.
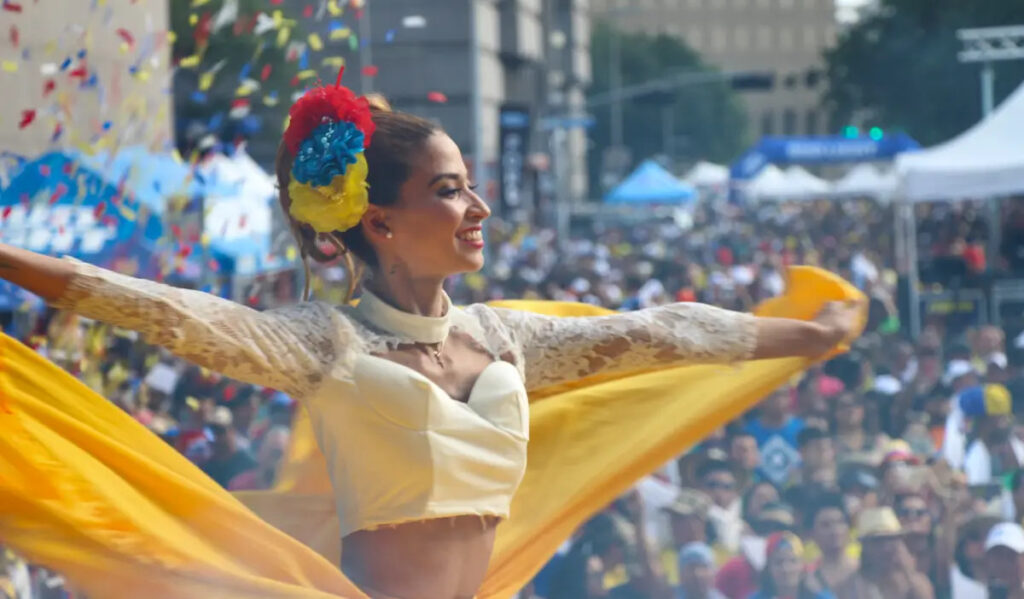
column 969, row 570
column 600, row 548
column 887, row 570
column 227, row 460
column 859, row 486
column 817, row 466
column 738, row 577
column 697, row 573
column 718, row 482
column 688, row 523
column 745, row 459
column 995, row 450
column 829, row 527
column 784, row 576
column 852, row 436
column 1004, row 561
column 776, row 429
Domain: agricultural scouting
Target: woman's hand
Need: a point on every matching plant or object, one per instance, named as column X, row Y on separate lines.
column 840, row 321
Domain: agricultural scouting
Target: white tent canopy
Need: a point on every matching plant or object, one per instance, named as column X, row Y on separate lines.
column 770, row 184
column 805, row 184
column 985, row 160
column 707, row 174
column 866, row 180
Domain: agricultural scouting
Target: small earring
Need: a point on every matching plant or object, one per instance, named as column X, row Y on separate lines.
column 389, row 235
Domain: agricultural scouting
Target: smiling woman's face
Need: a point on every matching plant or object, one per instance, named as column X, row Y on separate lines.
column 435, row 226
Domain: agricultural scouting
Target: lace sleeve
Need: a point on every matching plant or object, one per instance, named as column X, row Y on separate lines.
column 557, row 350
column 289, row 349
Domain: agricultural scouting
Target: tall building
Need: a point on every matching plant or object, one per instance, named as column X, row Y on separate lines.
column 784, row 37
column 491, row 72
column 95, row 75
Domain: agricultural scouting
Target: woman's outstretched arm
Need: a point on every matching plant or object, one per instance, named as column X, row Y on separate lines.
column 288, row 349
column 557, row 350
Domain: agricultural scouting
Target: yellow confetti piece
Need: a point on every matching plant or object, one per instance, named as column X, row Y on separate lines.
column 189, row 62
column 278, row 17
column 334, row 9
column 333, row 61
column 307, row 74
column 340, row 34
column 172, row 37
column 125, row 47
column 244, row 90
column 10, row 66
column 126, row 212
column 269, row 101
column 198, row 3
column 193, row 19
column 291, row 253
column 142, row 75
column 205, row 240
column 282, row 36
column 192, row 403
column 315, row 43
column 205, row 81
column 176, row 155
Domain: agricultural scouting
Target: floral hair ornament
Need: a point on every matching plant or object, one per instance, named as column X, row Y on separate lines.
column 328, row 130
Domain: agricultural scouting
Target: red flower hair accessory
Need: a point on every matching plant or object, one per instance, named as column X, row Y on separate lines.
column 319, row 105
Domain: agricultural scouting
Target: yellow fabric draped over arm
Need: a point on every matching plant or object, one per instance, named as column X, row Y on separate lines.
column 88, row 492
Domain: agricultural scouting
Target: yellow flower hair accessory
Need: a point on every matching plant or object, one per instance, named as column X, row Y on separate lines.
column 337, row 206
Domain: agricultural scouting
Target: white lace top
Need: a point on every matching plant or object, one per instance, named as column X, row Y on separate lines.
column 397, row 446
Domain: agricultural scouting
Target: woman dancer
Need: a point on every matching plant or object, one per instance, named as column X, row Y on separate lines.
column 420, row 407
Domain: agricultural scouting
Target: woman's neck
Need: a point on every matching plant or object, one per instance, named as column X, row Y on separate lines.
column 423, row 297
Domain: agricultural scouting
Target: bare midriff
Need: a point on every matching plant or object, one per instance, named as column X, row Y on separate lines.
column 444, row 558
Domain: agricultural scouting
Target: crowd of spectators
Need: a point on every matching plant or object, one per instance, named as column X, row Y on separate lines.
column 889, row 472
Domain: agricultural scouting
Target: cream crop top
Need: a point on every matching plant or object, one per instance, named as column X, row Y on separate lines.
column 397, row 447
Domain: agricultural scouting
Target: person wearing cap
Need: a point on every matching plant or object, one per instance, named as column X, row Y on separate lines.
column 784, row 576
column 995, row 450
column 696, row 566
column 1004, row 561
column 858, row 483
column 227, row 460
column 887, row 570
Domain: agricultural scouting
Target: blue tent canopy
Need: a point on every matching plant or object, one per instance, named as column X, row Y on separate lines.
column 57, row 205
column 650, row 183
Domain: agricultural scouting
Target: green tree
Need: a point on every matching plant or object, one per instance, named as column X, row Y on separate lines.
column 227, row 57
column 706, row 119
column 898, row 68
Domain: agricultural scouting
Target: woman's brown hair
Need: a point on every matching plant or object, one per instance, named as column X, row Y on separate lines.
column 397, row 139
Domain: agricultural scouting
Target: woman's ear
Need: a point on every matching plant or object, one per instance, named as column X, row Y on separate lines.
column 375, row 223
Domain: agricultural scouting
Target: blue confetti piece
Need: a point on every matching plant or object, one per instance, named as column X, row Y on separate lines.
column 81, row 53
column 26, row 55
column 216, row 120
column 244, row 73
column 363, row 43
column 389, row 36
column 107, row 125
column 304, row 60
column 335, row 25
column 199, row 97
column 67, row 63
column 133, row 69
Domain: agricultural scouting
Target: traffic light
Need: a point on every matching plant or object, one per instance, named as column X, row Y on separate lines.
column 851, row 132
column 876, row 133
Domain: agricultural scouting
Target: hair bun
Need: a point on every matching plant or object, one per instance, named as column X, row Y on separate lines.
column 378, row 103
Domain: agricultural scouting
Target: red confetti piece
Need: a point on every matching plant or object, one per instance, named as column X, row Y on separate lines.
column 276, row 2
column 15, row 36
column 78, row 73
column 12, row 7
column 44, row 170
column 68, row 167
column 59, row 192
column 213, row 265
column 253, row 300
column 295, row 81
column 239, row 103
column 176, row 231
column 242, row 221
column 185, row 251
column 27, row 116
column 229, row 393
column 126, row 36
column 98, row 211
column 437, row 97
column 265, row 73
column 6, row 212
column 48, row 87
column 60, row 230
column 308, row 11
column 370, row 70
column 109, row 221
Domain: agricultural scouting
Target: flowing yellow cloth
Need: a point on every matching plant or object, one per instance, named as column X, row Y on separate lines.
column 90, row 493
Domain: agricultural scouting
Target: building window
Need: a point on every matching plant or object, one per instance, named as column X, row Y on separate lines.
column 719, row 39
column 810, row 37
column 785, row 38
column 696, row 38
column 768, row 123
column 812, row 122
column 789, row 122
column 741, row 38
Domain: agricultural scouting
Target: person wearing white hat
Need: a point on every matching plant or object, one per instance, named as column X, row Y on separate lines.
column 1004, row 561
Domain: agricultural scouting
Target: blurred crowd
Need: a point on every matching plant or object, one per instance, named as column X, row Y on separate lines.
column 893, row 471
